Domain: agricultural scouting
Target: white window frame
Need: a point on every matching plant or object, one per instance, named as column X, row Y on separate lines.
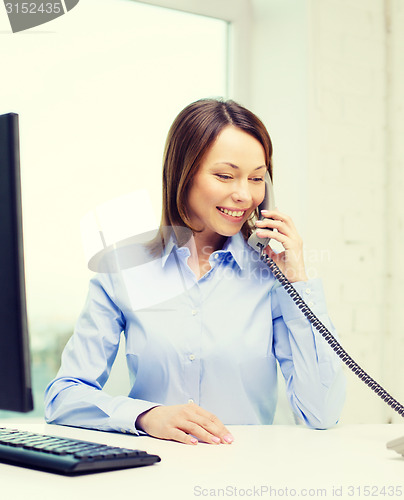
column 238, row 15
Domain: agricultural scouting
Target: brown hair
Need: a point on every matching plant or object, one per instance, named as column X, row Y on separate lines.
column 191, row 135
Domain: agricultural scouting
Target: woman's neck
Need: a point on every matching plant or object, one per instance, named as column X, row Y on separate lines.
column 201, row 247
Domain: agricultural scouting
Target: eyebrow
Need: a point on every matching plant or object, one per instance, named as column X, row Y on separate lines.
column 235, row 166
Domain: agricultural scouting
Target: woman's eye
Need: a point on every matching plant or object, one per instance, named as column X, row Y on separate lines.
column 223, row 176
column 258, row 179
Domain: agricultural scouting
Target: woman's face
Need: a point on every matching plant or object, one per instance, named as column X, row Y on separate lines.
column 228, row 185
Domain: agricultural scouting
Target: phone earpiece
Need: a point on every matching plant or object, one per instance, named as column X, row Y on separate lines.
column 268, row 203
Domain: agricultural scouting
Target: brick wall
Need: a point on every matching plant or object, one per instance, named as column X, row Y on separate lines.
column 394, row 354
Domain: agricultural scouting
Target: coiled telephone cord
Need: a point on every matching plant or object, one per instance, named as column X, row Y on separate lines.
column 330, row 339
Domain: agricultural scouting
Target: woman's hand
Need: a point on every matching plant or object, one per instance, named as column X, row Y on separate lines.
column 186, row 423
column 290, row 261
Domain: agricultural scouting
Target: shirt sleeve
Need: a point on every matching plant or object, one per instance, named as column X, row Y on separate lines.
column 75, row 397
column 313, row 373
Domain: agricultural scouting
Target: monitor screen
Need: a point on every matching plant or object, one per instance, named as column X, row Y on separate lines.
column 15, row 375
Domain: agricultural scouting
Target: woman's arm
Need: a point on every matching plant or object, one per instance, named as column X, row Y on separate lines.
column 75, row 397
column 313, row 372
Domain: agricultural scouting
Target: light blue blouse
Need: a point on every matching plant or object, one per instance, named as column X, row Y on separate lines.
column 215, row 341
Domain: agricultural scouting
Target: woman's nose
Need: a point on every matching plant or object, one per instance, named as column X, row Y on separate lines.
column 242, row 193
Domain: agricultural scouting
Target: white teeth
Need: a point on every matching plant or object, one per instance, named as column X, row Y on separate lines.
column 233, row 213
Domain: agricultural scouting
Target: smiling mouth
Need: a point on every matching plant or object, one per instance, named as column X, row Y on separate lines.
column 237, row 214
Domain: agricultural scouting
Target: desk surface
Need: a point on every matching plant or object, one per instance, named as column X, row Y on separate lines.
column 348, row 461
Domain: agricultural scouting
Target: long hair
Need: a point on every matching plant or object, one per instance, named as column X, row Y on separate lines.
column 192, row 133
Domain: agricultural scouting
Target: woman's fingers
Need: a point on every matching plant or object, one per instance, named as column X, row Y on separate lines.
column 282, row 223
column 202, row 424
column 280, row 227
column 184, row 423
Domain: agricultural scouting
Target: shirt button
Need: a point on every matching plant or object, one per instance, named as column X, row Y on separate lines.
column 190, row 400
column 216, row 256
column 194, row 312
column 192, row 357
column 310, row 304
column 308, row 291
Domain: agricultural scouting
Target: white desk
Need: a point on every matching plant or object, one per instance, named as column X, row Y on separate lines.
column 264, row 461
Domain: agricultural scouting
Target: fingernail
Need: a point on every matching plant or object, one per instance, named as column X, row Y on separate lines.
column 215, row 439
column 228, row 438
column 193, row 440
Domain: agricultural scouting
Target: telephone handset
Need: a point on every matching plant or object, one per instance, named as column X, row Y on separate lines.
column 267, row 204
column 259, row 244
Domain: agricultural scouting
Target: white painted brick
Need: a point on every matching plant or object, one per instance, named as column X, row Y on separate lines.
column 343, row 77
column 330, row 104
column 364, row 170
column 343, row 322
column 340, row 137
column 368, row 319
column 359, row 228
column 356, row 109
column 396, row 322
column 356, row 263
column 362, row 291
column 326, row 170
column 335, row 15
column 363, row 51
column 362, row 406
column 374, row 6
column 327, row 15
column 378, row 79
column 393, row 349
column 329, row 44
column 365, row 23
column 361, row 200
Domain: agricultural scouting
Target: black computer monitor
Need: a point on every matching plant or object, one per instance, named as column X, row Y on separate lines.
column 15, row 373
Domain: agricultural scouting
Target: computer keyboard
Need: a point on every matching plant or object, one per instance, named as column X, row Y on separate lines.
column 66, row 455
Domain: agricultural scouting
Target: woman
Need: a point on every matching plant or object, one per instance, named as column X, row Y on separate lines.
column 205, row 322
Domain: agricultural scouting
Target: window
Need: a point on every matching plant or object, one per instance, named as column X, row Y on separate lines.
column 96, row 91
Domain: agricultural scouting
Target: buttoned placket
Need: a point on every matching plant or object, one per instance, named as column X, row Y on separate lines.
column 194, row 349
column 193, row 324
column 307, row 293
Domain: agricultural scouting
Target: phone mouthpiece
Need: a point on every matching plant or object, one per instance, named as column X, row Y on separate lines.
column 258, row 244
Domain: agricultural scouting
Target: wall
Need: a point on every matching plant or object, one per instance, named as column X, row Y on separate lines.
column 347, row 176
column 395, row 213
column 327, row 82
